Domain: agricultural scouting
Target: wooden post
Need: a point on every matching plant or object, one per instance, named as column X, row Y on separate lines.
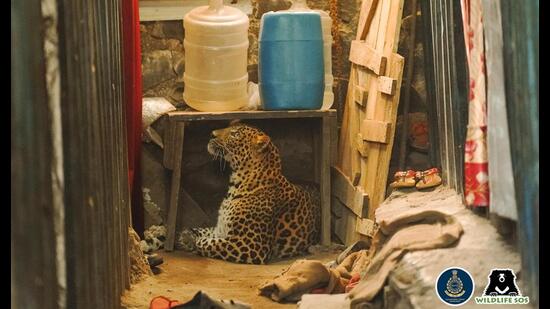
column 175, row 189
column 325, row 180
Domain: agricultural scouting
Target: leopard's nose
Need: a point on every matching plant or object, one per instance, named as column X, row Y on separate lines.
column 214, row 133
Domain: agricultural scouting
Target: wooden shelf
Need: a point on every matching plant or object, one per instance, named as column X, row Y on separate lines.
column 194, row 115
column 325, row 141
column 159, row 10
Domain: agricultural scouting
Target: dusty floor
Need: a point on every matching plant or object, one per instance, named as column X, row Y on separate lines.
column 182, row 275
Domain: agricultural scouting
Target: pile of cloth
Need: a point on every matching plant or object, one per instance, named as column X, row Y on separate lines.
column 360, row 272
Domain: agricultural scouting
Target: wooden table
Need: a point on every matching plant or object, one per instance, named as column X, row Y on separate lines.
column 325, row 153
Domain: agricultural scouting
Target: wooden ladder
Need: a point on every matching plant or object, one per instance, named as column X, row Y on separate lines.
column 369, row 119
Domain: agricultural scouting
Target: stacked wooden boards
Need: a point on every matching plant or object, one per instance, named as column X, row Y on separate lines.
column 369, row 118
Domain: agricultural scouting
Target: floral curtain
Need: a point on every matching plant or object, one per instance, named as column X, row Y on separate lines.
column 476, row 178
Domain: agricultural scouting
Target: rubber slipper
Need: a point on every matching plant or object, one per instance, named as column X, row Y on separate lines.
column 404, row 179
column 428, row 179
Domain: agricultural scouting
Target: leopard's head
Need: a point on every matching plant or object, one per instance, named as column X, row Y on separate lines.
column 244, row 146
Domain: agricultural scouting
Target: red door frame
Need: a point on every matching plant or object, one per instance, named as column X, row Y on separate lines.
column 133, row 98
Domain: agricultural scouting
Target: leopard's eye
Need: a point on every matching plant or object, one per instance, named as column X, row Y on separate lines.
column 234, row 134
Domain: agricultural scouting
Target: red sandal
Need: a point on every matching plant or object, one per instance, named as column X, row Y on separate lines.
column 404, row 179
column 428, row 179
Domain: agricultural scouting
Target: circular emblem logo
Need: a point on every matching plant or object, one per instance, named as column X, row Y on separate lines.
column 454, row 286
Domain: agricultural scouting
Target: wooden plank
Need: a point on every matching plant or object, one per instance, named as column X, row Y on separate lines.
column 356, row 179
column 381, row 107
column 175, row 9
column 354, row 158
column 344, row 151
column 379, row 156
column 364, row 55
column 355, row 114
column 175, row 189
column 361, row 146
column 351, row 196
column 345, row 223
column 191, row 115
column 34, row 276
column 368, row 9
column 333, row 139
column 387, row 85
column 360, row 95
column 375, row 131
column 169, row 143
column 325, row 181
column 365, row 227
column 316, row 141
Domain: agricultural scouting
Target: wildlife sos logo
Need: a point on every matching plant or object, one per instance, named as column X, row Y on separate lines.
column 502, row 289
column 454, row 286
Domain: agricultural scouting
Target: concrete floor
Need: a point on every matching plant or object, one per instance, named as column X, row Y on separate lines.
column 182, row 275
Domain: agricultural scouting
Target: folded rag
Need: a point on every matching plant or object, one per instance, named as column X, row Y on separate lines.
column 300, row 278
column 337, row 301
column 415, row 229
column 398, row 233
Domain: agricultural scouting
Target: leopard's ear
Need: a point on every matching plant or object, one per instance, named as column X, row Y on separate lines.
column 261, row 142
column 234, row 122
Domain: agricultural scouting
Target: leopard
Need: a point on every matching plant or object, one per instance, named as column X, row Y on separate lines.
column 263, row 214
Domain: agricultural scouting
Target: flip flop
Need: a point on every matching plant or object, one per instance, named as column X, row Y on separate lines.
column 428, row 179
column 404, row 179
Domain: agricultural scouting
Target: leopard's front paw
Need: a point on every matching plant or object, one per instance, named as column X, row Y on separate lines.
column 186, row 241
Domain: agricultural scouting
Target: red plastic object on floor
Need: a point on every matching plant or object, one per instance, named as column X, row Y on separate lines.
column 161, row 302
column 353, row 282
column 133, row 97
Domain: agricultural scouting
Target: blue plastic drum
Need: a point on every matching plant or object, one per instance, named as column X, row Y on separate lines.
column 291, row 65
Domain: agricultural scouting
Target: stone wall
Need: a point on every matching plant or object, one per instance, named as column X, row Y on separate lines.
column 163, row 65
column 163, row 55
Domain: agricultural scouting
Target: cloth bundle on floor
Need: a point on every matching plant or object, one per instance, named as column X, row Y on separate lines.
column 302, row 277
column 399, row 232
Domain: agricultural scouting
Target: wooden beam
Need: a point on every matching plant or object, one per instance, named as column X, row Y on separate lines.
column 351, row 196
column 365, row 227
column 192, row 115
column 361, row 146
column 375, row 131
column 325, row 181
column 175, row 189
column 169, row 143
column 344, row 223
column 356, row 179
column 378, row 161
column 333, row 139
column 364, row 55
column 176, row 9
column 387, row 85
column 360, row 95
column 368, row 8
